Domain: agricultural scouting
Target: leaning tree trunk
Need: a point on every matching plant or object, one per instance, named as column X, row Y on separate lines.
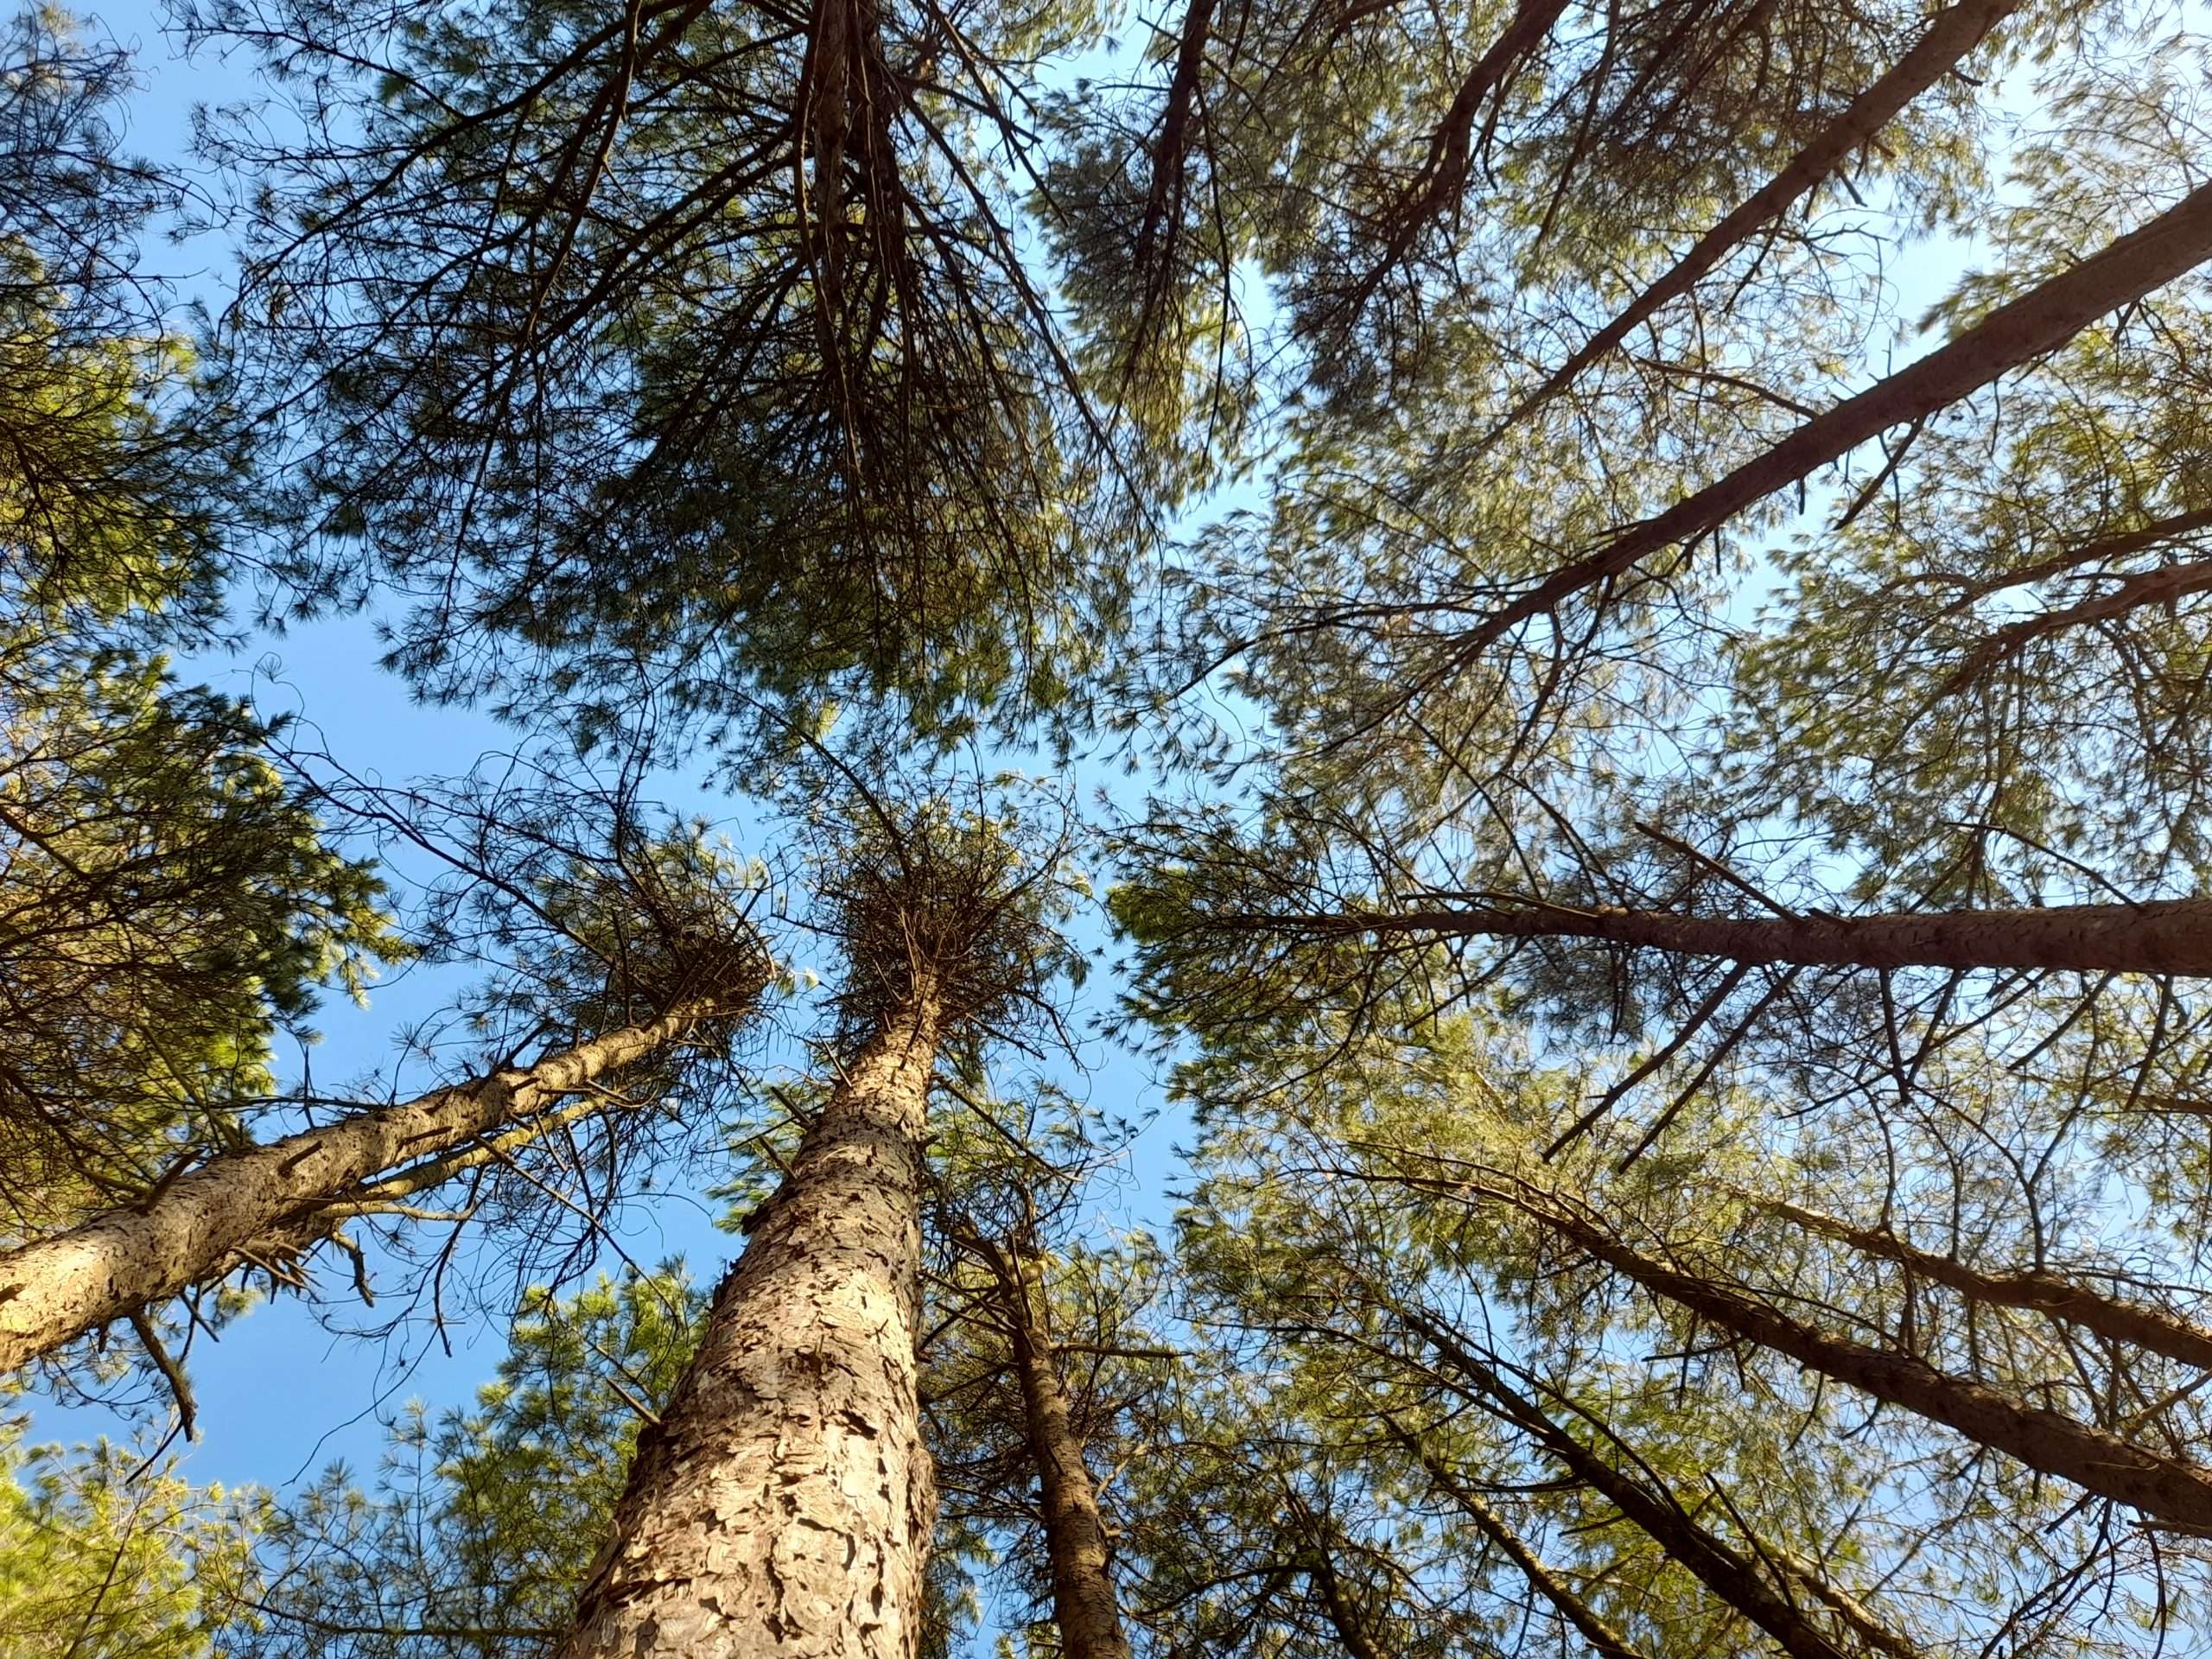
column 192, row 1230
column 1075, row 1531
column 1603, row 1641
column 783, row 1503
column 2039, row 321
column 2048, row 1441
column 2129, row 1324
column 1728, row 1573
column 1952, row 34
column 2164, row 936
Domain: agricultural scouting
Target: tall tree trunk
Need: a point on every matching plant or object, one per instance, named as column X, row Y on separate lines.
column 2050, row 1442
column 2165, row 936
column 2062, row 1298
column 1075, row 1532
column 784, row 1503
column 1953, row 33
column 188, row 1231
column 2039, row 321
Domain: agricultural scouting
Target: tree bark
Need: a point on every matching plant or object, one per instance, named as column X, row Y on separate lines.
column 133, row 1256
column 2048, row 1441
column 784, row 1503
column 1721, row 1569
column 1953, row 34
column 2040, row 320
column 1344, row 1617
column 2164, row 936
column 2043, row 1293
column 1443, row 172
column 1083, row 1603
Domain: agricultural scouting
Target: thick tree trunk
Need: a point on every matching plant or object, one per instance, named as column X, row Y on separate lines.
column 1729, row 1574
column 1083, row 1604
column 1953, row 34
column 783, row 1504
column 2039, row 321
column 2050, row 1442
column 2166, row 936
column 129, row 1258
column 2043, row 1293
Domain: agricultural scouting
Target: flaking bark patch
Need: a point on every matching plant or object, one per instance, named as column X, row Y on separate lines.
column 784, row 1506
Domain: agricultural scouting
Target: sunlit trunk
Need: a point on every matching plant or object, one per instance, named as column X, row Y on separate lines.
column 783, row 1504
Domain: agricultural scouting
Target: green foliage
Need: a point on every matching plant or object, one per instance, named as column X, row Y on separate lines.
column 170, row 900
column 766, row 414
column 99, row 1559
column 169, row 904
column 482, row 1523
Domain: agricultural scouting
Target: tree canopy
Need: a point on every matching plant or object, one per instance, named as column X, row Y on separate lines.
column 1572, row 639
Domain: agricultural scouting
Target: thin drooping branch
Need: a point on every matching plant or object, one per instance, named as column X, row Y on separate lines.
column 132, row 1257
column 2036, row 323
column 2126, row 1323
column 1953, row 33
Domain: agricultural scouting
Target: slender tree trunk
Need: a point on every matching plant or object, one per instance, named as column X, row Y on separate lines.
column 2050, row 1442
column 1953, row 34
column 1083, row 1604
column 1443, row 173
column 1729, row 1574
column 1170, row 149
column 783, row 1504
column 133, row 1256
column 1604, row 1641
column 1344, row 1617
column 2043, row 1293
column 2040, row 320
column 2165, row 936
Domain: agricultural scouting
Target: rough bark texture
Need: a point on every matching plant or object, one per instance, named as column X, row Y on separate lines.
column 2040, row 320
column 2169, row 936
column 2051, row 1441
column 783, row 1504
column 1725, row 1572
column 1075, row 1532
column 1953, row 34
column 2044, row 1292
column 129, row 1258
